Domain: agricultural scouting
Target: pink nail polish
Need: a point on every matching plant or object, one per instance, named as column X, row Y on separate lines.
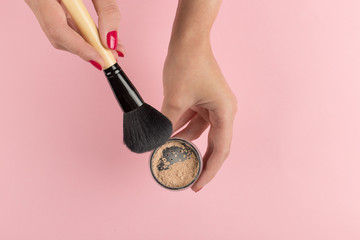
column 198, row 189
column 96, row 64
column 120, row 53
column 112, row 39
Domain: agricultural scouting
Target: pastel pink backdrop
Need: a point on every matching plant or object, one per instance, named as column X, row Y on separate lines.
column 293, row 172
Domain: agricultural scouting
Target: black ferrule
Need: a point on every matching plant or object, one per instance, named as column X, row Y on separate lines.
column 125, row 92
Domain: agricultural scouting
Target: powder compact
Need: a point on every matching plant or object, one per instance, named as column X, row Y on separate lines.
column 176, row 164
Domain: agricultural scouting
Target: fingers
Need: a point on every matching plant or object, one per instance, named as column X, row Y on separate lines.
column 174, row 109
column 219, row 142
column 65, row 38
column 109, row 19
column 69, row 40
column 53, row 21
column 194, row 129
column 185, row 118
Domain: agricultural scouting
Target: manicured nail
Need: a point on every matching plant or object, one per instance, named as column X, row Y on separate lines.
column 112, row 39
column 120, row 53
column 198, row 189
column 95, row 64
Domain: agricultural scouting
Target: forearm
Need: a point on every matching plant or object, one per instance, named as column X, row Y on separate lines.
column 193, row 22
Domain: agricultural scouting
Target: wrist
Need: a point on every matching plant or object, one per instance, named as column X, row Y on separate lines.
column 192, row 26
column 189, row 42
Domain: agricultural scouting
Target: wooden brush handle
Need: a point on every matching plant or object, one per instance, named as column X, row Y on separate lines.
column 88, row 29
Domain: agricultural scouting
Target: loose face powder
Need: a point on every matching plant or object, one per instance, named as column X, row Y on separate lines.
column 176, row 164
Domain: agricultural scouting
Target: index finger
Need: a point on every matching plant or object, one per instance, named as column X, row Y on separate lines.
column 219, row 142
column 53, row 21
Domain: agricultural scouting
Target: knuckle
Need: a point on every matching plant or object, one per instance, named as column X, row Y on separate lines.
column 223, row 118
column 111, row 9
column 227, row 112
column 232, row 105
column 224, row 152
column 78, row 51
column 54, row 32
column 55, row 44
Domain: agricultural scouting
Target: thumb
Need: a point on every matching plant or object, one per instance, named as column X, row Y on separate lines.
column 173, row 111
column 109, row 19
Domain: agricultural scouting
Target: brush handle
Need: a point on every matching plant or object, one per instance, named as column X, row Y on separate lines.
column 124, row 91
column 88, row 29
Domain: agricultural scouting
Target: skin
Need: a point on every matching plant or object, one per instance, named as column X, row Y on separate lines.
column 196, row 94
column 63, row 33
column 195, row 90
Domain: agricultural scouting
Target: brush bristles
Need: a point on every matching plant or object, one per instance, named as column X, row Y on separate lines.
column 145, row 129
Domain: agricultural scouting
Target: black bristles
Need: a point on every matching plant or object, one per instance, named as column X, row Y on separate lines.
column 145, row 129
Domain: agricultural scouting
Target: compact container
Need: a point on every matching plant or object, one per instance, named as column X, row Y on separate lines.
column 174, row 154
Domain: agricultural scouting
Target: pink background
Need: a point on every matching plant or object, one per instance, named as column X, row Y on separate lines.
column 293, row 172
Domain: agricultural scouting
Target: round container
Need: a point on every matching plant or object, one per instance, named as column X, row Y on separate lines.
column 176, row 164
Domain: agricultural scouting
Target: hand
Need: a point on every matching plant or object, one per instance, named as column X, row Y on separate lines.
column 63, row 33
column 195, row 92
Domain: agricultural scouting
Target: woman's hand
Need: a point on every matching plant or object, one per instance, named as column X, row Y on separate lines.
column 195, row 92
column 63, row 33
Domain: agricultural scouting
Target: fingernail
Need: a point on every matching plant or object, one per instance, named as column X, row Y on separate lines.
column 96, row 64
column 198, row 189
column 120, row 53
column 112, row 39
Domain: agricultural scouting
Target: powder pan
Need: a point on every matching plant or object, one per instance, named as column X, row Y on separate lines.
column 194, row 150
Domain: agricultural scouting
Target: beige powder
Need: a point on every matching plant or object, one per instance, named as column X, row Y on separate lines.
column 180, row 173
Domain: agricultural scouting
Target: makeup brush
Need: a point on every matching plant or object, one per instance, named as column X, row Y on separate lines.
column 144, row 128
